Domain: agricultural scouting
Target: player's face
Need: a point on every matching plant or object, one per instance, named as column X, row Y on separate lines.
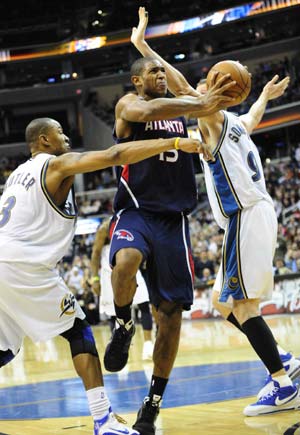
column 154, row 81
column 201, row 88
column 57, row 140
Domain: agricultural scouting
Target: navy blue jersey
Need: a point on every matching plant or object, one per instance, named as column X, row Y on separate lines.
column 160, row 184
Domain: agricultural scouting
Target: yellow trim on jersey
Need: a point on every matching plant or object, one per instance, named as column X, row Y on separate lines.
column 238, row 255
column 46, row 193
column 223, row 263
column 229, row 181
column 222, row 136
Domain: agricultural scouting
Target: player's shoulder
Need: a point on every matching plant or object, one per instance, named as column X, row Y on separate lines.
column 124, row 101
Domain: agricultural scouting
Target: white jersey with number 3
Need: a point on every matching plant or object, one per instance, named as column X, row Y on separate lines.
column 33, row 229
column 235, row 180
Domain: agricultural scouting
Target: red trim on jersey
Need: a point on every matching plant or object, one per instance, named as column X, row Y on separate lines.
column 192, row 265
column 125, row 172
column 112, row 228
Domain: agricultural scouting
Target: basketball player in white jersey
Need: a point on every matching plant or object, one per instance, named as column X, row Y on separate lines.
column 37, row 221
column 103, row 288
column 244, row 209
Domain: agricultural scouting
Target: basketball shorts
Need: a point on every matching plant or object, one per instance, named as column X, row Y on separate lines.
column 164, row 242
column 246, row 270
column 34, row 302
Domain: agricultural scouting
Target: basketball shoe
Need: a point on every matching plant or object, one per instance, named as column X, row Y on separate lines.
column 116, row 352
column 279, row 399
column 145, row 422
column 292, row 368
column 109, row 425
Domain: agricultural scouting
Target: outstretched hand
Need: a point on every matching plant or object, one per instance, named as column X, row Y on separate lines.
column 215, row 97
column 274, row 90
column 138, row 33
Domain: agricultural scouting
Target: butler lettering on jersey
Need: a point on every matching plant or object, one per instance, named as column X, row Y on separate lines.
column 23, row 178
column 173, row 126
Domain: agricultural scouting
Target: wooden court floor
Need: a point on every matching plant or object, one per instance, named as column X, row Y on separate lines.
column 216, row 375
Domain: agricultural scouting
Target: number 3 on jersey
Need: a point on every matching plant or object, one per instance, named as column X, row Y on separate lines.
column 252, row 163
column 6, row 210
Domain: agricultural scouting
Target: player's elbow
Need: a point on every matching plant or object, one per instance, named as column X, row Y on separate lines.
column 117, row 157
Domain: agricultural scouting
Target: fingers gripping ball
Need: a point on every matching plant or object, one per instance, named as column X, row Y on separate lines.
column 239, row 73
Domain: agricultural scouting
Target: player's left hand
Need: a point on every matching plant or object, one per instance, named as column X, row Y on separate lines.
column 274, row 90
column 138, row 33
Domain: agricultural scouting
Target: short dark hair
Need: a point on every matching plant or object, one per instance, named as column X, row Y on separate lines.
column 138, row 66
column 36, row 127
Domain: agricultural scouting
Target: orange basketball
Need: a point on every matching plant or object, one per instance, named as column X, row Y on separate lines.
column 239, row 73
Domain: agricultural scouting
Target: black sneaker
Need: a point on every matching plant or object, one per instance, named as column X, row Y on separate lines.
column 116, row 352
column 145, row 423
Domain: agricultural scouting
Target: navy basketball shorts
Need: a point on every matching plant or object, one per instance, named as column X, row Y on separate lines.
column 164, row 242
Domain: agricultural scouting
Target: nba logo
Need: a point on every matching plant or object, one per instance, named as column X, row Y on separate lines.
column 124, row 234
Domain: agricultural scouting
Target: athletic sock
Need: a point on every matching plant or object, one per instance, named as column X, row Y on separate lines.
column 283, row 380
column 157, row 388
column 262, row 341
column 123, row 314
column 99, row 403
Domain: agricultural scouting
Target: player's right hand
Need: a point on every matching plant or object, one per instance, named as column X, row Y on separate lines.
column 214, row 98
column 190, row 145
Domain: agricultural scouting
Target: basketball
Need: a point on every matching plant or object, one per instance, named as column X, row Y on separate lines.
column 239, row 73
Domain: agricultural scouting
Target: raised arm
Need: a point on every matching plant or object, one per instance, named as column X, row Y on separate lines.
column 212, row 101
column 271, row 91
column 177, row 83
column 100, row 239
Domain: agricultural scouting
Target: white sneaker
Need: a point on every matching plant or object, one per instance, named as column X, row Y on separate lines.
column 279, row 399
column 148, row 350
column 292, row 368
column 109, row 425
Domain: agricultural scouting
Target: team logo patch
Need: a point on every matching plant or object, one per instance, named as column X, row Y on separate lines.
column 233, row 282
column 124, row 234
column 67, row 305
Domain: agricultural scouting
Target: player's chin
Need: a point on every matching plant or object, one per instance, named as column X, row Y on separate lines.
column 161, row 91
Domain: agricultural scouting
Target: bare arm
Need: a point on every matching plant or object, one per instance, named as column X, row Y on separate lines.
column 177, row 83
column 62, row 168
column 132, row 108
column 271, row 91
column 99, row 242
column 212, row 101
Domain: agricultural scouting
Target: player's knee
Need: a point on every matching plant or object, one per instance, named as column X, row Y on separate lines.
column 5, row 357
column 81, row 338
column 128, row 262
column 170, row 309
column 245, row 309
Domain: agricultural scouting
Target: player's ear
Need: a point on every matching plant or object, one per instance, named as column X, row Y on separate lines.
column 44, row 140
column 136, row 80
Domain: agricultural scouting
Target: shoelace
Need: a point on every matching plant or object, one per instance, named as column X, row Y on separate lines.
column 269, row 395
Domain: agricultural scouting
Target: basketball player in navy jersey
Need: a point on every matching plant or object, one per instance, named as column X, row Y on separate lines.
column 250, row 224
column 37, row 224
column 150, row 223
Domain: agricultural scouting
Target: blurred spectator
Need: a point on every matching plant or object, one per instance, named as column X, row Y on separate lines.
column 280, row 267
